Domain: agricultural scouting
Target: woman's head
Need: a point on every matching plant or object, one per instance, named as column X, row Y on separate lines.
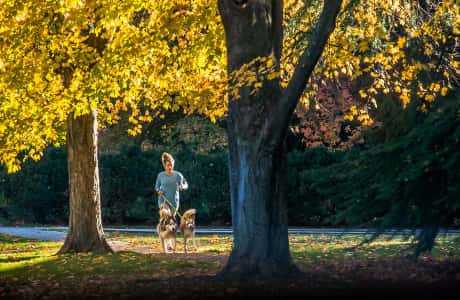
column 168, row 161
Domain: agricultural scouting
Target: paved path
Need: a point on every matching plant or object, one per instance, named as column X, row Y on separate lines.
column 58, row 233
column 36, row 233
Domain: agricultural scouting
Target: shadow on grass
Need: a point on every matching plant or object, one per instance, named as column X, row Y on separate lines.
column 10, row 259
column 120, row 263
column 199, row 286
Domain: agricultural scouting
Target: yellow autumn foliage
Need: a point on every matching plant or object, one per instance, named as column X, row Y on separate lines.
column 394, row 43
column 62, row 57
column 144, row 57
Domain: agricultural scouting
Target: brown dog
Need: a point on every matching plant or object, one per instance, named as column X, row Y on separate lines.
column 166, row 229
column 187, row 227
column 165, row 211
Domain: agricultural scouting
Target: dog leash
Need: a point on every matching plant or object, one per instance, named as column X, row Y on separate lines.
column 177, row 211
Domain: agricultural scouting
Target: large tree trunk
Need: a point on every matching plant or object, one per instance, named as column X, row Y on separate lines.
column 257, row 127
column 85, row 227
column 257, row 166
column 259, row 213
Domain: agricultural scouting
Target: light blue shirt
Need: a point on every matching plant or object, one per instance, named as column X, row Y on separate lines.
column 170, row 186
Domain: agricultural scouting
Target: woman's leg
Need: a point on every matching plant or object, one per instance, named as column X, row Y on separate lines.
column 177, row 207
column 160, row 202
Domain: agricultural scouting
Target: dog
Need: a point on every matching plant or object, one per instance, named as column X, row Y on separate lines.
column 165, row 211
column 187, row 227
column 166, row 229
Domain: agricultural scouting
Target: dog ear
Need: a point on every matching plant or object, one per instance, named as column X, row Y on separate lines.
column 165, row 205
column 191, row 212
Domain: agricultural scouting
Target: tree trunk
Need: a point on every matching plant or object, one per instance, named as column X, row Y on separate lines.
column 85, row 227
column 257, row 127
column 257, row 167
column 259, row 210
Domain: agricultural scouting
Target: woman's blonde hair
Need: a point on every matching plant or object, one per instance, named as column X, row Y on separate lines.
column 165, row 157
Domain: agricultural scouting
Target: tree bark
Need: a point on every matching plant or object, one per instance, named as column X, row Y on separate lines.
column 257, row 127
column 85, row 231
column 259, row 210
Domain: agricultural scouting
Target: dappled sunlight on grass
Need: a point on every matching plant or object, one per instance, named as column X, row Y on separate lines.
column 65, row 268
column 33, row 263
column 22, row 259
column 317, row 248
column 139, row 256
column 19, row 253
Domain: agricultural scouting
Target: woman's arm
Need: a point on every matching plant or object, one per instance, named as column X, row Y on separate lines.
column 183, row 184
column 158, row 184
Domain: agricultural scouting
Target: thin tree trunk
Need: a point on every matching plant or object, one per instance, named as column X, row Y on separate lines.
column 85, row 227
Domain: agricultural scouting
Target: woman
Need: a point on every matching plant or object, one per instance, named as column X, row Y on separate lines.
column 169, row 183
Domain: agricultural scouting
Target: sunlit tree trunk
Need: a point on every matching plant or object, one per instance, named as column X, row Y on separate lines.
column 85, row 227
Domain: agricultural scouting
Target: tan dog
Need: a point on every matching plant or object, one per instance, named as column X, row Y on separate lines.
column 166, row 229
column 165, row 211
column 187, row 227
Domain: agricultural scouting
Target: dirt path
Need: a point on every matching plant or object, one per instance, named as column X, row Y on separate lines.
column 219, row 258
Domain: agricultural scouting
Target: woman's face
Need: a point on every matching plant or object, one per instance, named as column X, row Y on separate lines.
column 168, row 167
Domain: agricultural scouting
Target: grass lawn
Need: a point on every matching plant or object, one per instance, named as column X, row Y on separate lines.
column 30, row 270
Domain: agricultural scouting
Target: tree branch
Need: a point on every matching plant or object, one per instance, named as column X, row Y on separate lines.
column 277, row 125
column 277, row 21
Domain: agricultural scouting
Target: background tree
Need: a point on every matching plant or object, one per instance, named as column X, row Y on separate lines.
column 382, row 57
column 399, row 63
column 61, row 62
column 406, row 86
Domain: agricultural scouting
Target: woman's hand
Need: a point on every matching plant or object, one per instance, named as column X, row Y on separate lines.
column 160, row 193
column 183, row 185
